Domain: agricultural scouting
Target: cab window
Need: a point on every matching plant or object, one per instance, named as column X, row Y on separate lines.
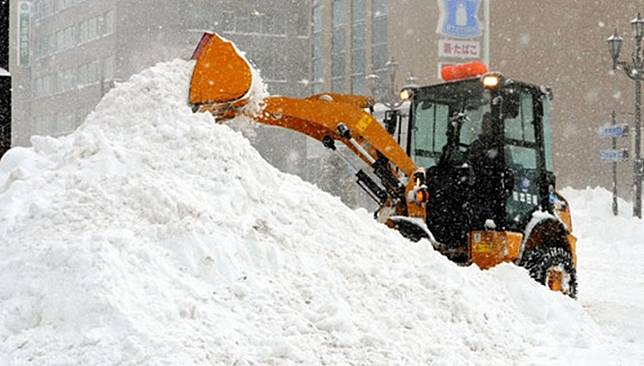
column 519, row 157
column 521, row 127
column 547, row 133
column 430, row 132
column 471, row 129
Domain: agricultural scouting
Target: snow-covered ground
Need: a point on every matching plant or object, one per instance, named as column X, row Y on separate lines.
column 611, row 267
column 152, row 236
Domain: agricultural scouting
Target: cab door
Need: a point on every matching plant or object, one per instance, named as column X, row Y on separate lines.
column 524, row 160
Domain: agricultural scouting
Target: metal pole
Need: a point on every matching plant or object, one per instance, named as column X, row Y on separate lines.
column 615, row 207
column 637, row 174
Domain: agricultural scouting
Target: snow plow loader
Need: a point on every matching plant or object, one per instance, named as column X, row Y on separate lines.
column 468, row 166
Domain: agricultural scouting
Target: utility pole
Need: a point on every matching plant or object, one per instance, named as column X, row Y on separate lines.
column 615, row 207
column 5, row 80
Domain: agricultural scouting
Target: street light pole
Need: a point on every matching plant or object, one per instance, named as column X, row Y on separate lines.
column 635, row 72
column 637, row 206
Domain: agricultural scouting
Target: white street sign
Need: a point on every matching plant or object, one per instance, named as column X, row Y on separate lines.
column 459, row 49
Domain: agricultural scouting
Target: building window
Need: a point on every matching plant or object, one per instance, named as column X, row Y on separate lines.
column 316, row 57
column 338, row 45
column 82, row 75
column 45, row 8
column 66, row 38
column 272, row 65
column 339, row 12
column 45, row 85
column 66, row 123
column 66, row 80
column 37, row 48
column 379, row 35
column 92, row 28
column 272, row 25
column 317, row 70
column 83, row 35
column 93, row 73
column 337, row 66
column 359, row 85
column 48, row 7
column 110, row 22
column 302, row 24
column 36, row 87
column 89, row 74
column 380, row 8
column 338, row 85
column 358, row 45
column 228, row 21
column 249, row 23
column 109, row 65
column 51, row 40
column 37, row 9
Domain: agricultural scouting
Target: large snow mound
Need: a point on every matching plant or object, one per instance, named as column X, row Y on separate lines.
column 152, row 235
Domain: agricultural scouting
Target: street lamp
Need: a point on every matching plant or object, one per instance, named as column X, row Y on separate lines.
column 638, row 26
column 634, row 70
column 615, row 47
column 386, row 94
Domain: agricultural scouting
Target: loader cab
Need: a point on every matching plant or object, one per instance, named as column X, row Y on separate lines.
column 488, row 155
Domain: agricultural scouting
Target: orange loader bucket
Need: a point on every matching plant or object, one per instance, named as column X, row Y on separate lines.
column 222, row 75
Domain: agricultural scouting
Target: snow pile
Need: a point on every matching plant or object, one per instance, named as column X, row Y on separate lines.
column 153, row 236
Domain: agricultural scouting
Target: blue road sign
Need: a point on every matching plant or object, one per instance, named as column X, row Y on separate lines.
column 459, row 18
column 613, row 130
column 613, row 155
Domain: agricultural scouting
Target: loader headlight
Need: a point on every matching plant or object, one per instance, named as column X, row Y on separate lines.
column 406, row 94
column 491, row 80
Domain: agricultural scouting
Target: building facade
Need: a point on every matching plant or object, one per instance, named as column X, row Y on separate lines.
column 77, row 49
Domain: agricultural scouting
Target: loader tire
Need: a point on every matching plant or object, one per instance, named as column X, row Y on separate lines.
column 552, row 267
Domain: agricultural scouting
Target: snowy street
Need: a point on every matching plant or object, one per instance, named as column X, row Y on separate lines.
column 611, row 274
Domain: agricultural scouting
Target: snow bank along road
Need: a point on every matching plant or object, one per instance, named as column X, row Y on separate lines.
column 152, row 236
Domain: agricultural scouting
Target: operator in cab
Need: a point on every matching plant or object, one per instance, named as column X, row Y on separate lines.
column 492, row 180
